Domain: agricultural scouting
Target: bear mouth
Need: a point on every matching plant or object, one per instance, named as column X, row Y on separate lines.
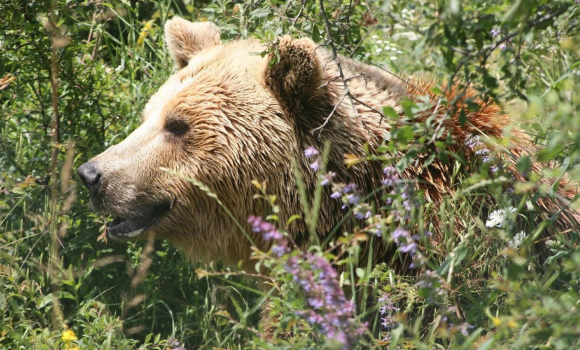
column 125, row 228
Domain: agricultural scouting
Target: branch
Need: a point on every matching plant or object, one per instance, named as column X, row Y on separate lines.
column 330, row 115
column 299, row 14
column 337, row 61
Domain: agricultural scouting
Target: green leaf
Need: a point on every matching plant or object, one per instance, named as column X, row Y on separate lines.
column 453, row 259
column 18, row 190
column 260, row 13
column 292, row 218
column 514, row 12
column 391, row 113
column 408, row 106
column 405, row 134
column 550, row 152
column 487, row 345
column 462, row 117
column 524, row 164
column 315, row 34
column 514, row 271
column 405, row 161
column 556, row 257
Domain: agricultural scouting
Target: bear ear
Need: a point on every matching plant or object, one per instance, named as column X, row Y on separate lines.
column 185, row 39
column 297, row 74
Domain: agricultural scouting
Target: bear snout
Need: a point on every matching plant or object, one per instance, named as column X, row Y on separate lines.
column 91, row 177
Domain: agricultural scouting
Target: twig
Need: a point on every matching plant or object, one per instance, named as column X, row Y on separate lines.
column 330, row 115
column 347, row 79
column 299, row 14
column 337, row 61
column 361, row 41
column 371, row 108
column 396, row 76
column 58, row 317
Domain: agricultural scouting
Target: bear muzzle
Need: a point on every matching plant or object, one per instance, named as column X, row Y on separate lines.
column 138, row 216
column 131, row 228
column 91, row 177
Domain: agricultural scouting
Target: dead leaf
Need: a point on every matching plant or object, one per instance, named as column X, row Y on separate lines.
column 4, row 82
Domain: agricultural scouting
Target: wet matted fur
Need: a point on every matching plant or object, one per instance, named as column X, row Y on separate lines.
column 227, row 116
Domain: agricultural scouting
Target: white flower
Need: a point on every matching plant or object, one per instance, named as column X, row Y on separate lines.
column 412, row 36
column 121, row 66
column 517, row 240
column 498, row 218
column 379, row 41
column 379, row 50
column 374, row 36
column 393, row 58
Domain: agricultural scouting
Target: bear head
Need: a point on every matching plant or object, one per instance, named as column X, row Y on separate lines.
column 225, row 117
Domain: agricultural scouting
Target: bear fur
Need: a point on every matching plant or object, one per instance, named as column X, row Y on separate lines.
column 228, row 116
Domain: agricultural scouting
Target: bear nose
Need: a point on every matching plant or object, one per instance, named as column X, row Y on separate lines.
column 90, row 176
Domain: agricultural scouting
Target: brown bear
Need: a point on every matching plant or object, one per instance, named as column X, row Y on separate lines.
column 228, row 116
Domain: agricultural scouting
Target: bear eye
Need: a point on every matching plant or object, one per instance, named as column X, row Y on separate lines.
column 177, row 127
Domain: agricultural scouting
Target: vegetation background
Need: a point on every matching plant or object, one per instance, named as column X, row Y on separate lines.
column 74, row 77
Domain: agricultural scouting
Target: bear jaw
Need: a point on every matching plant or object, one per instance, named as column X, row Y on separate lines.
column 131, row 228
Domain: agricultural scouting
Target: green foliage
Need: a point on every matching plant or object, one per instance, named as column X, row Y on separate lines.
column 487, row 290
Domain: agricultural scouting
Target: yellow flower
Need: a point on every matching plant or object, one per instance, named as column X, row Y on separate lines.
column 144, row 32
column 496, row 321
column 68, row 335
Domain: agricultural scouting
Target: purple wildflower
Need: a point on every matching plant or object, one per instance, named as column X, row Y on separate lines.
column 418, row 237
column 311, row 152
column 280, row 248
column 431, row 282
column 387, row 310
column 377, row 228
column 387, row 304
column 495, row 32
column 351, row 187
column 399, row 233
column 464, row 327
column 334, row 314
column 272, row 235
column 503, row 46
column 336, row 195
column 316, row 165
column 391, row 176
column 473, row 142
column 409, row 248
column 482, row 152
column 352, row 198
column 316, row 303
column 268, row 230
column 327, row 178
column 174, row 344
column 362, row 211
column 418, row 261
